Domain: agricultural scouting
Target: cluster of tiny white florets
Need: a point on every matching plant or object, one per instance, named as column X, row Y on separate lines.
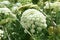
column 6, row 11
column 6, row 14
column 33, row 18
column 5, row 2
column 16, row 6
column 47, row 5
column 1, row 33
column 55, row 6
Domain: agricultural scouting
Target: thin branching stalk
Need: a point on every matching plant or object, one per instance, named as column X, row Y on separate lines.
column 5, row 30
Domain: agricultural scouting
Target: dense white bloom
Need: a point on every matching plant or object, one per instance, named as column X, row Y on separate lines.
column 55, row 6
column 2, row 5
column 5, row 2
column 6, row 11
column 32, row 31
column 16, row 6
column 33, row 18
column 48, row 4
column 7, row 15
column 1, row 33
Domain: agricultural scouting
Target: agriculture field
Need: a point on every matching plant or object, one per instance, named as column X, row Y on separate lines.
column 29, row 19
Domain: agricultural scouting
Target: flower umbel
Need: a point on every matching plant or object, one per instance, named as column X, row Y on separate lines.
column 32, row 19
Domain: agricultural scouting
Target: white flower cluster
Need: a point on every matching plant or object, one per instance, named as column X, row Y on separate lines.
column 5, row 2
column 48, row 4
column 33, row 18
column 6, row 14
column 6, row 11
column 55, row 6
column 1, row 33
column 15, row 7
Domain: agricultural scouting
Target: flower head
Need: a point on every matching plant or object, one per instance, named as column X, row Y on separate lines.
column 33, row 18
column 6, row 14
column 1, row 33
